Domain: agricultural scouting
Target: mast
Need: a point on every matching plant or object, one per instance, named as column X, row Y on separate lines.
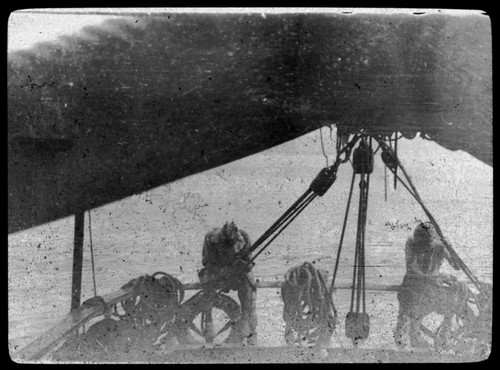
column 76, row 284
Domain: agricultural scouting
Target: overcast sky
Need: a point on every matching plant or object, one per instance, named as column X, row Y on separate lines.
column 26, row 27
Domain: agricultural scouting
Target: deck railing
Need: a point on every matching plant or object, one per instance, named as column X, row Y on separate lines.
column 97, row 306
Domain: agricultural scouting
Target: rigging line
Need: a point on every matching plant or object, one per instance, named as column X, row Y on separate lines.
column 396, row 154
column 403, row 183
column 302, row 207
column 389, row 139
column 360, row 236
column 292, row 209
column 355, row 272
column 92, row 254
column 343, row 230
column 295, row 209
column 396, row 176
column 385, row 182
column 363, row 240
column 322, row 146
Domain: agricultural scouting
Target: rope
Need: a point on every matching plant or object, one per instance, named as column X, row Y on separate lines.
column 354, row 273
column 280, row 221
column 319, row 186
column 298, row 211
column 322, row 146
column 363, row 239
column 159, row 300
column 358, row 264
column 308, row 307
column 396, row 154
column 385, row 183
column 357, row 322
column 403, row 183
column 343, row 231
column 358, row 293
column 148, row 315
column 92, row 255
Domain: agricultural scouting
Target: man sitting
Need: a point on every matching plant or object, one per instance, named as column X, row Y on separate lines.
column 423, row 282
column 425, row 254
column 225, row 259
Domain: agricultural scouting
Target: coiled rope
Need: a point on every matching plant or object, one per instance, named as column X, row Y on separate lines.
column 309, row 312
column 134, row 325
column 155, row 305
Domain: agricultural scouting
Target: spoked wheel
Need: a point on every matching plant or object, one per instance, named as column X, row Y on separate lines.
column 444, row 332
column 209, row 316
column 454, row 332
column 452, row 316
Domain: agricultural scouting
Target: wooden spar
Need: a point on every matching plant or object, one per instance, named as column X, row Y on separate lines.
column 91, row 308
column 76, row 284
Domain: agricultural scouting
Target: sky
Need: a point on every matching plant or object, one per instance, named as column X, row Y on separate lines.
column 25, row 27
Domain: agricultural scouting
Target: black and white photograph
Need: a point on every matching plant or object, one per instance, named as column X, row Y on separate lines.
column 249, row 185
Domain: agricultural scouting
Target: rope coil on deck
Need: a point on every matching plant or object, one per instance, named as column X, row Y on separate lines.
column 132, row 324
column 308, row 311
column 158, row 298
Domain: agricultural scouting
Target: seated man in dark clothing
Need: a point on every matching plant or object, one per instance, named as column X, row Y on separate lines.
column 224, row 258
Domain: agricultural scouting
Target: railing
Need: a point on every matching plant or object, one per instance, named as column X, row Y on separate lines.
column 97, row 306
column 277, row 284
column 70, row 323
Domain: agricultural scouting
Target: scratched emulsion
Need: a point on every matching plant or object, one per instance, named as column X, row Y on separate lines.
column 163, row 229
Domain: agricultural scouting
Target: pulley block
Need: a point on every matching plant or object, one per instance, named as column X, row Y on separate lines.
column 357, row 325
column 324, row 180
column 362, row 160
column 389, row 159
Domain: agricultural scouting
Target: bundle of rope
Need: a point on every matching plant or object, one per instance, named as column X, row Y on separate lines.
column 467, row 318
column 132, row 325
column 309, row 312
column 157, row 300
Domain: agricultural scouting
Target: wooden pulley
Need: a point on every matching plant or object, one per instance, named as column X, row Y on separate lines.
column 324, row 180
column 362, row 159
column 357, row 325
column 389, row 159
